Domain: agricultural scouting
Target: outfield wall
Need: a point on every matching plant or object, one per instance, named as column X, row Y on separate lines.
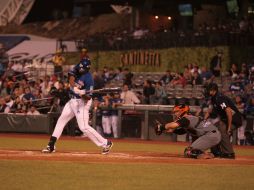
column 25, row 123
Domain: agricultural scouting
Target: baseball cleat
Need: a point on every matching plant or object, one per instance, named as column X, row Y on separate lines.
column 49, row 149
column 107, row 148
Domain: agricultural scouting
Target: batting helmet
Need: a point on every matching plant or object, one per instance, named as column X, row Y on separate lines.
column 181, row 109
column 84, row 65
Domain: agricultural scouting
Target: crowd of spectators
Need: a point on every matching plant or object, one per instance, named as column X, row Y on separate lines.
column 20, row 93
column 228, row 32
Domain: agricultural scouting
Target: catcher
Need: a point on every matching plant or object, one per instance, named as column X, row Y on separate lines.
column 206, row 134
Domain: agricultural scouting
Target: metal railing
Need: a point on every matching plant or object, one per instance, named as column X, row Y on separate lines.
column 146, row 109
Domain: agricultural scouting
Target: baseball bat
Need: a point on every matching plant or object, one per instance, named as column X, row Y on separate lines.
column 105, row 90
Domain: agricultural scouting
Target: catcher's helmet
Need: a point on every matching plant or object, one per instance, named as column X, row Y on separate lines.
column 84, row 65
column 181, row 109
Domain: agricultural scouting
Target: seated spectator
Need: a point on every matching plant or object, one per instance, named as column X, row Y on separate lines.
column 195, row 68
column 18, row 106
column 236, row 86
column 33, row 111
column 187, row 74
column 46, row 85
column 38, row 94
column 28, row 96
column 196, row 78
column 179, row 80
column 207, row 76
column 112, row 74
column 166, row 78
column 106, row 74
column 160, row 95
column 119, row 74
column 9, row 100
column 4, row 91
column 234, row 71
column 4, row 108
column 148, row 91
column 62, row 94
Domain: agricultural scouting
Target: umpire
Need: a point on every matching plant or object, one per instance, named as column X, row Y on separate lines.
column 228, row 113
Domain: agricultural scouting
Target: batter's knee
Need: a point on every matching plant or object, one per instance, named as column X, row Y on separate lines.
column 189, row 152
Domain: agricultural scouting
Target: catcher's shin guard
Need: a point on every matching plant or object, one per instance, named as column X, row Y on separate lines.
column 159, row 128
column 189, row 152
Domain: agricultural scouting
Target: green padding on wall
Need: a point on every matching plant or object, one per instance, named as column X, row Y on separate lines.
column 173, row 58
column 25, row 123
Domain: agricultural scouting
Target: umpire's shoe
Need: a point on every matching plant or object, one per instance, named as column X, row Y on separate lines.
column 107, row 148
column 49, row 149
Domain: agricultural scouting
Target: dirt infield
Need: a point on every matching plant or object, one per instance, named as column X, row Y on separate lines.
column 116, row 157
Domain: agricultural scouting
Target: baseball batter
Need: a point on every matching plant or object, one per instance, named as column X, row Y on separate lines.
column 81, row 82
column 207, row 134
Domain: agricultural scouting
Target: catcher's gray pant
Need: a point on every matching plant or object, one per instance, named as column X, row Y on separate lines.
column 207, row 140
column 80, row 109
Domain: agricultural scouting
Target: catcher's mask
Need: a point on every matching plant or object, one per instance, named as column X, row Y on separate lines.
column 84, row 65
column 180, row 110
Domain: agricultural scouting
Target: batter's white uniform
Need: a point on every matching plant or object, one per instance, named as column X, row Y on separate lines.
column 79, row 108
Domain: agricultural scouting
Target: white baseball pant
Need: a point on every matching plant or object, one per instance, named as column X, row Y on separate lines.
column 80, row 109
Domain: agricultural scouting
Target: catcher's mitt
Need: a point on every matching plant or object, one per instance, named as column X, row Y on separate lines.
column 158, row 127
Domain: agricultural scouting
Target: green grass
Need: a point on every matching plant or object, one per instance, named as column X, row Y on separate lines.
column 75, row 175
column 64, row 175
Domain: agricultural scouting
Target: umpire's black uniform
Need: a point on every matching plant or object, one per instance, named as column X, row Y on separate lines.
column 220, row 103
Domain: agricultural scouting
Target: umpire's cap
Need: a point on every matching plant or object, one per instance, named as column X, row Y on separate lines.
column 212, row 86
column 209, row 87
